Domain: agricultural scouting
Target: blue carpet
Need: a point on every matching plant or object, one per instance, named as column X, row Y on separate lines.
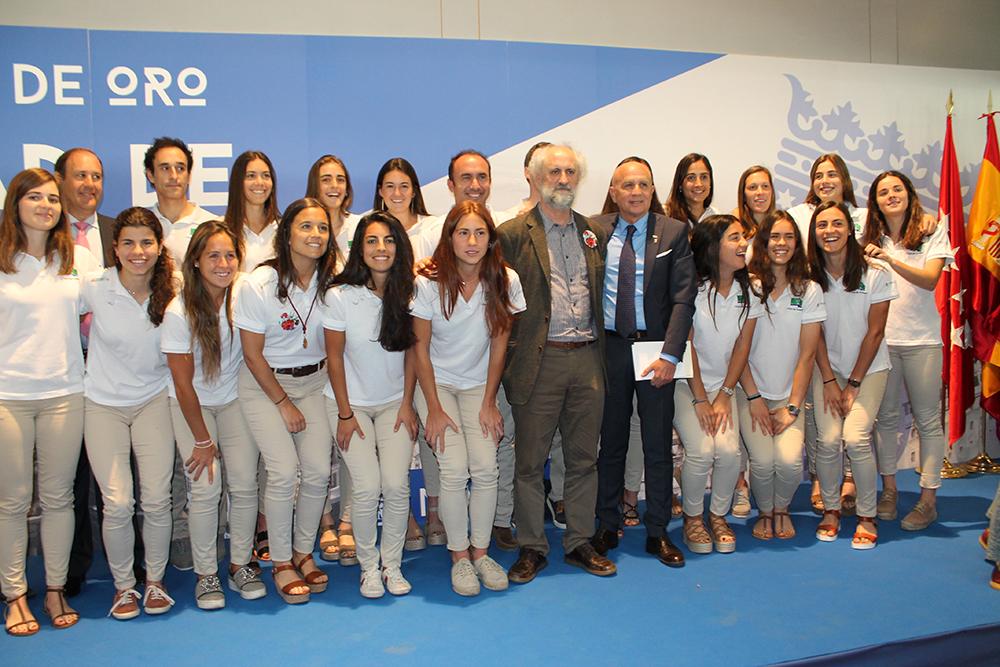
column 769, row 602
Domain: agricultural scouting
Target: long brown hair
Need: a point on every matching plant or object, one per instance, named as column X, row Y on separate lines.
column 877, row 227
column 312, row 182
column 845, row 179
column 161, row 283
column 400, row 164
column 492, row 269
column 326, row 266
column 746, row 214
column 12, row 238
column 202, row 316
column 854, row 268
column 797, row 269
column 236, row 206
column 676, row 204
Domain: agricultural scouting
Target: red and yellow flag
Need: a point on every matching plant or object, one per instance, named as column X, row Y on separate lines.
column 984, row 249
column 953, row 302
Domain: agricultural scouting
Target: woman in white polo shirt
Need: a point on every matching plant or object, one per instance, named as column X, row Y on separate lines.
column 462, row 320
column 913, row 334
column 41, row 390
column 755, row 194
column 853, row 366
column 330, row 183
column 279, row 312
column 204, row 356
column 368, row 331
column 777, row 378
column 252, row 209
column 726, row 311
column 690, row 198
column 127, row 411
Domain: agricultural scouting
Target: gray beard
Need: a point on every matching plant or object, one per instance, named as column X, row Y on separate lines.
column 560, row 198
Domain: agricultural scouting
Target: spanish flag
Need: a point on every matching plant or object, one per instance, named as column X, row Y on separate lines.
column 984, row 249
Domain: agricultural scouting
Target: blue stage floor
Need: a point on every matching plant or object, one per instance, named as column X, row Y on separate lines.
column 768, row 602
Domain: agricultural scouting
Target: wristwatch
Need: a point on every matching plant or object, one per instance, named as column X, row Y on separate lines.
column 793, row 410
column 728, row 391
column 854, row 383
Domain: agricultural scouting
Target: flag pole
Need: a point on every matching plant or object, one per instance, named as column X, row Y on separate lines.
column 948, row 471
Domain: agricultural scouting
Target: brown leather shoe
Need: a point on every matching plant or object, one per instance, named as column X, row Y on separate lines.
column 587, row 558
column 529, row 563
column 604, row 540
column 504, row 538
column 665, row 551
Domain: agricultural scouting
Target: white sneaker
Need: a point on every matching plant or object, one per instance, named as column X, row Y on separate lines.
column 490, row 572
column 371, row 584
column 463, row 578
column 741, row 502
column 395, row 582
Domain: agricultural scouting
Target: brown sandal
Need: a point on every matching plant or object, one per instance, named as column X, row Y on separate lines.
column 59, row 619
column 720, row 530
column 30, row 626
column 696, row 536
column 315, row 577
column 348, row 548
column 764, row 528
column 285, row 591
column 864, row 539
column 783, row 534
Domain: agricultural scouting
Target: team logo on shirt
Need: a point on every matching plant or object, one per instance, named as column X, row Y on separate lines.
column 862, row 288
column 796, row 303
column 289, row 322
column 740, row 299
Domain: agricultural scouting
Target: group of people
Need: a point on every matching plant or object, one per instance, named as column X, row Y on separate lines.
column 272, row 339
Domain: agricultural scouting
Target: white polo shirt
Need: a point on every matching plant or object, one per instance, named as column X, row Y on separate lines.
column 258, row 248
column 374, row 375
column 346, row 236
column 802, row 215
column 714, row 339
column 259, row 310
column 914, row 318
column 124, row 364
column 176, row 339
column 847, row 318
column 774, row 351
column 177, row 235
column 460, row 346
column 40, row 351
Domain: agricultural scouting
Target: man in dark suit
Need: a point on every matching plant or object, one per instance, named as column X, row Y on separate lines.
column 649, row 292
column 555, row 361
column 80, row 175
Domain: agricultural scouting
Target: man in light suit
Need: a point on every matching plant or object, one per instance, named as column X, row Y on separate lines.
column 649, row 292
column 555, row 361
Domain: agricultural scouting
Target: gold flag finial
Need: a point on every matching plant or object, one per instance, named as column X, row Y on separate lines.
column 950, row 106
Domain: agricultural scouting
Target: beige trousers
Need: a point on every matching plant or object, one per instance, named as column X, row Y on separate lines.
column 775, row 461
column 718, row 455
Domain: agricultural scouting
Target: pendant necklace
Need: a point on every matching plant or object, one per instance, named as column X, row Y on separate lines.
column 305, row 321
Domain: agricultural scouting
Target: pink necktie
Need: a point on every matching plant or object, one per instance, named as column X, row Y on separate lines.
column 81, row 240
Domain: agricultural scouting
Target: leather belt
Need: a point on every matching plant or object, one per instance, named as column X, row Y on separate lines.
column 301, row 371
column 638, row 335
column 568, row 345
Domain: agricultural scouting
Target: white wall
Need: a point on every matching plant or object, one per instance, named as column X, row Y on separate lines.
column 941, row 33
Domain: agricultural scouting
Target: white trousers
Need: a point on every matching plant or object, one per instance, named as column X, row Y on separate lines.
column 718, row 455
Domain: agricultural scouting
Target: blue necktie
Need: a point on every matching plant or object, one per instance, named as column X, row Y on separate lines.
column 625, row 306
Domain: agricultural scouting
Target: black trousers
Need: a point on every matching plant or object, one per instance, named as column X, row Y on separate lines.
column 656, row 416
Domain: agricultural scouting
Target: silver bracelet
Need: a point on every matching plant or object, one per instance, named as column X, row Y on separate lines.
column 204, row 444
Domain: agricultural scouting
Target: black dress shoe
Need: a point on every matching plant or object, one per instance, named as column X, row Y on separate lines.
column 587, row 558
column 529, row 563
column 665, row 551
column 504, row 538
column 604, row 540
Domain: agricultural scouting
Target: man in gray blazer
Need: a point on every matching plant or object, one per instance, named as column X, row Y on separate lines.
column 555, row 360
column 81, row 186
column 649, row 291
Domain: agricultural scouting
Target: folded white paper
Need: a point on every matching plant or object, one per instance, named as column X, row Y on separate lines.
column 645, row 352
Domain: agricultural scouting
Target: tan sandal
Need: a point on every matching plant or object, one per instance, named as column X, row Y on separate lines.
column 66, row 616
column 783, row 534
column 329, row 545
column 348, row 548
column 696, row 536
column 720, row 532
column 764, row 528
column 316, row 578
column 285, row 591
